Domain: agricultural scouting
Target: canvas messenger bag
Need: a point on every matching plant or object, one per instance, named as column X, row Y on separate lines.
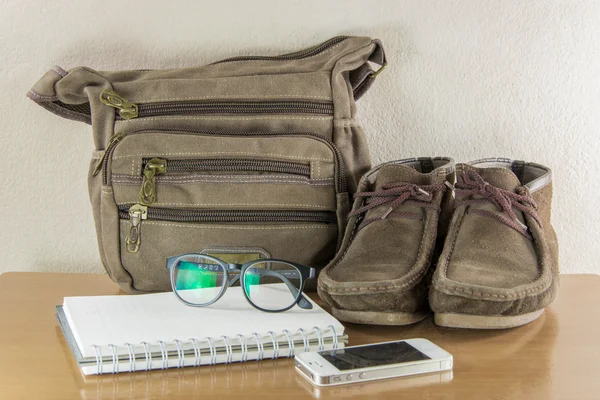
column 255, row 156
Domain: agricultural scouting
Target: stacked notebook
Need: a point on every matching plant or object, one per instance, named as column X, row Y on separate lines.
column 111, row 334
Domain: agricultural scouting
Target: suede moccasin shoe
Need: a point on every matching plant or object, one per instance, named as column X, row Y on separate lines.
column 499, row 265
column 379, row 275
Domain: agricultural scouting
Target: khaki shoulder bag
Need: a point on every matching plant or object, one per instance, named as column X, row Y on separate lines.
column 253, row 155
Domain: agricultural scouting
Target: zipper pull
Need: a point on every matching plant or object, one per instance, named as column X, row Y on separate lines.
column 137, row 213
column 153, row 167
column 127, row 109
column 114, row 139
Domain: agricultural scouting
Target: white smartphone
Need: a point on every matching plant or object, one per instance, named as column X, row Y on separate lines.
column 373, row 361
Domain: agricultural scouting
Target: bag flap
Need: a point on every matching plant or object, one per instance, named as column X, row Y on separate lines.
column 340, row 67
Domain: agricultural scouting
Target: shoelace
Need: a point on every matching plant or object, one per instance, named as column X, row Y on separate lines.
column 396, row 194
column 473, row 184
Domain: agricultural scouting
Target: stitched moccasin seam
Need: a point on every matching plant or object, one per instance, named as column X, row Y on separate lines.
column 416, row 278
column 448, row 286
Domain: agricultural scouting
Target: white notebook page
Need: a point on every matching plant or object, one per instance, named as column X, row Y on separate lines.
column 104, row 320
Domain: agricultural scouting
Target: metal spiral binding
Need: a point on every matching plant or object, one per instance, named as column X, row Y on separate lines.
column 320, row 338
column 197, row 352
column 131, row 353
column 180, row 355
column 290, row 340
column 305, row 339
column 275, row 344
column 243, row 347
column 164, row 354
column 213, row 350
column 228, row 350
column 334, row 337
column 115, row 359
column 227, row 344
column 259, row 345
column 98, row 352
column 148, row 355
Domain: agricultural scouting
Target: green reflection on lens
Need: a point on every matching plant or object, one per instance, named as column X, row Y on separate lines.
column 250, row 279
column 193, row 276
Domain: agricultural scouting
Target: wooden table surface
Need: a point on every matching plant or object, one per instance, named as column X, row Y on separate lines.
column 555, row 357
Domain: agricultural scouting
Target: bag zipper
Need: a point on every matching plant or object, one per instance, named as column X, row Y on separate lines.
column 233, row 165
column 312, row 51
column 129, row 110
column 112, row 141
column 229, row 216
column 156, row 166
column 136, row 213
column 117, row 137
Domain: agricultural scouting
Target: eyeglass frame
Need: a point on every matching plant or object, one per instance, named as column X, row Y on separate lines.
column 301, row 300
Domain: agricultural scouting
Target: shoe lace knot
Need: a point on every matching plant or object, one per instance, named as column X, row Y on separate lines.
column 472, row 184
column 395, row 194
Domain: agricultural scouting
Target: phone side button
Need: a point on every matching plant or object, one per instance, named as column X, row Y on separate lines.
column 349, row 377
column 337, row 378
column 362, row 375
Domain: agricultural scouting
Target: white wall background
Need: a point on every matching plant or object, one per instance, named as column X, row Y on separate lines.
column 468, row 79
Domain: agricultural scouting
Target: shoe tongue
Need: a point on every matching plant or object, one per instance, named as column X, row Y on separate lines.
column 394, row 173
column 499, row 177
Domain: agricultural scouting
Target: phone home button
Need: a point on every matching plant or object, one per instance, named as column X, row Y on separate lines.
column 349, row 377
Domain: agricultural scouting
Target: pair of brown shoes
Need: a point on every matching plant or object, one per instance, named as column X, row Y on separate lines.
column 473, row 243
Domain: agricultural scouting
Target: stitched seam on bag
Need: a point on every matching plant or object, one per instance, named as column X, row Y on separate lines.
column 179, row 118
column 284, row 156
column 234, row 204
column 240, row 96
column 125, row 178
column 323, row 184
column 231, row 181
column 237, row 227
column 59, row 71
column 41, row 96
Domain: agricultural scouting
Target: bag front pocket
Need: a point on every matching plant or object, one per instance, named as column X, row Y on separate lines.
column 184, row 191
column 153, row 234
column 200, row 181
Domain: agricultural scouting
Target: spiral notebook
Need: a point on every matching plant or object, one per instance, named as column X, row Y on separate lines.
column 112, row 334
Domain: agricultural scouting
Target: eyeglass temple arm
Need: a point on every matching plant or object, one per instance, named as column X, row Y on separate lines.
column 302, row 303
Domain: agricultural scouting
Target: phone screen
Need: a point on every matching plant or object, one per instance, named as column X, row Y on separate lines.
column 374, row 355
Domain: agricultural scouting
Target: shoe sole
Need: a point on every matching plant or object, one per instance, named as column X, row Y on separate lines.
column 378, row 318
column 484, row 322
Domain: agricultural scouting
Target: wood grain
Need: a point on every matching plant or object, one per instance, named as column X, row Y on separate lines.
column 555, row 357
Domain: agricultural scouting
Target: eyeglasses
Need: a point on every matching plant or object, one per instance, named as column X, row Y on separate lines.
column 270, row 285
